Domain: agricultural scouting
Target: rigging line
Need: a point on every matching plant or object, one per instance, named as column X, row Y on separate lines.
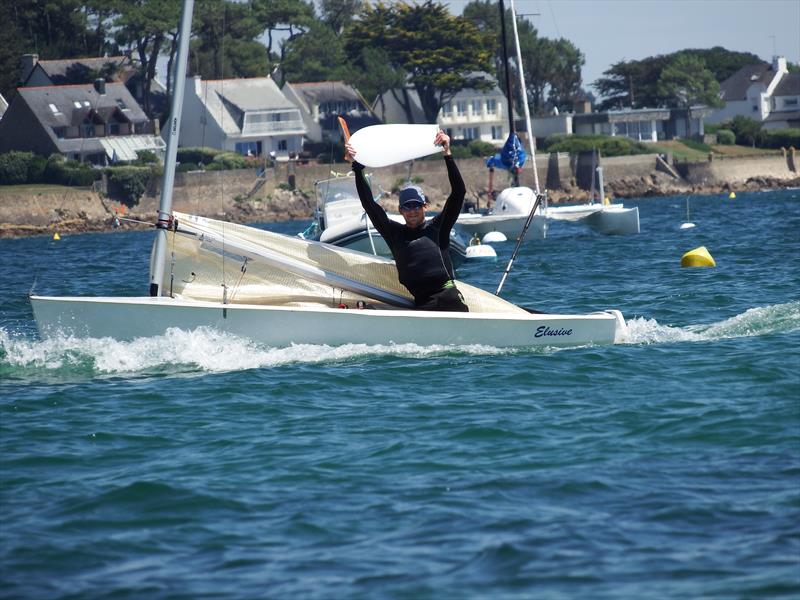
column 220, row 173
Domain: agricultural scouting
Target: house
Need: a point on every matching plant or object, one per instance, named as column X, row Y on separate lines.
column 248, row 116
column 470, row 115
column 72, row 71
column 97, row 123
column 320, row 104
column 765, row 92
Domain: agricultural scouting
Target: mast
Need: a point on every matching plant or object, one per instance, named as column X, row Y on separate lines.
column 511, row 129
column 531, row 142
column 167, row 185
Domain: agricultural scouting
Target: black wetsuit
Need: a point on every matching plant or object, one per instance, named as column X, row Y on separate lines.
column 421, row 254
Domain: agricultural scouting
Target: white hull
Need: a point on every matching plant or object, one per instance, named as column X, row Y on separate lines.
column 615, row 221
column 279, row 326
column 510, row 226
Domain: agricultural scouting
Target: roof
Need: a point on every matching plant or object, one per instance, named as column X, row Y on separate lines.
column 735, row 87
column 325, row 91
column 776, row 116
column 227, row 99
column 75, row 101
column 789, row 85
column 80, row 70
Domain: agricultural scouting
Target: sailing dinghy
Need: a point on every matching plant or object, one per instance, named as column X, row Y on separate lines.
column 281, row 290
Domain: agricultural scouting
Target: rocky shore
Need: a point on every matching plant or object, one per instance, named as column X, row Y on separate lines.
column 244, row 197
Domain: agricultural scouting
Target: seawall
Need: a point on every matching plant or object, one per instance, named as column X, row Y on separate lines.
column 243, row 196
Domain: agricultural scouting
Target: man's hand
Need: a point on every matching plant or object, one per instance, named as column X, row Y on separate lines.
column 443, row 140
column 349, row 152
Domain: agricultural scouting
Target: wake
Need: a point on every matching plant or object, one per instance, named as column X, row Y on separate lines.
column 208, row 350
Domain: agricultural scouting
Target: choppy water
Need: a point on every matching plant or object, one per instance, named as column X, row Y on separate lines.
column 197, row 464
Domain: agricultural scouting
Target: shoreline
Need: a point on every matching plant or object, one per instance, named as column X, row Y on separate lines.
column 245, row 196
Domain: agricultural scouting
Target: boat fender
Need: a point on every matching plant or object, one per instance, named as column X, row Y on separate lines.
column 343, row 305
column 699, row 257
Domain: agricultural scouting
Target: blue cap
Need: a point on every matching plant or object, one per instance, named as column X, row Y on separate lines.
column 411, row 196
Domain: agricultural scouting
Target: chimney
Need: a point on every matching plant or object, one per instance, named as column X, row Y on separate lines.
column 27, row 63
column 100, row 86
column 779, row 64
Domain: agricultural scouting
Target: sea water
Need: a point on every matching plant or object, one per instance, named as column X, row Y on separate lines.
column 197, row 464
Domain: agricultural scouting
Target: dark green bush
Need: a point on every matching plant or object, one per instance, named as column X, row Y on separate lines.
column 129, row 182
column 607, row 145
column 226, row 161
column 781, row 138
column 198, row 156
column 145, row 157
column 15, row 167
column 726, row 137
column 183, row 167
column 69, row 172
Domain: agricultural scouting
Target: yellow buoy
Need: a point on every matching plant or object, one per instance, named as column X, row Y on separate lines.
column 56, row 236
column 606, row 201
column 732, row 195
column 699, row 257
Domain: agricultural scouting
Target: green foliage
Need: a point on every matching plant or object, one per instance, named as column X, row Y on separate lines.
column 781, row 138
column 607, row 145
column 14, row 167
column 185, row 167
column 318, row 56
column 747, row 130
column 145, row 157
column 726, row 137
column 635, row 83
column 69, row 172
column 129, row 182
column 685, row 81
column 441, row 54
column 475, row 148
column 197, row 156
column 225, row 161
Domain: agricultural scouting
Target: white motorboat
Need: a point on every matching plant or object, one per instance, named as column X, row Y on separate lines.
column 340, row 220
column 281, row 290
column 608, row 219
column 510, row 212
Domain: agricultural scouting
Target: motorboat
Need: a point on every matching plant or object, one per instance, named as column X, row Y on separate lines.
column 339, row 219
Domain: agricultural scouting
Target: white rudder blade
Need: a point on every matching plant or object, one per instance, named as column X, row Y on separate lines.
column 384, row 145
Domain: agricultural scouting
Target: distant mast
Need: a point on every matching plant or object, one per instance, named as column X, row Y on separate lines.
column 167, row 185
column 511, row 128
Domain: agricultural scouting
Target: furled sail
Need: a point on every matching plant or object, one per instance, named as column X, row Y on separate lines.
column 218, row 261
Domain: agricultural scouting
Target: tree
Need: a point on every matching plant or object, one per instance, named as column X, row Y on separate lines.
column 377, row 76
column 686, row 82
column 635, row 83
column 552, row 67
column 291, row 16
column 317, row 56
column 748, row 131
column 226, row 45
column 145, row 26
column 440, row 53
column 337, row 14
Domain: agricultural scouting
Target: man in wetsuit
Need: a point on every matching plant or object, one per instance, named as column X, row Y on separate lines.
column 420, row 249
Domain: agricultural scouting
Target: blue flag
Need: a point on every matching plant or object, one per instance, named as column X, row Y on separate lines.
column 511, row 156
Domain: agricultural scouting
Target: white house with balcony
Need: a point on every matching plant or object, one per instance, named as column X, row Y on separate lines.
column 248, row 116
column 765, row 92
column 470, row 115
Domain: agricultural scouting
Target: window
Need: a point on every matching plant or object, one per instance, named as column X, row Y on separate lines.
column 461, row 107
column 54, row 109
column 477, row 105
column 471, row 133
column 447, row 110
column 76, row 104
column 491, row 106
column 121, row 104
column 497, row 132
column 282, row 145
column 790, row 102
column 88, row 130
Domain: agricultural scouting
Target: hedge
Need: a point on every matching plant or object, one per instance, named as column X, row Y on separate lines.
column 14, row 167
column 780, row 138
column 69, row 172
column 607, row 145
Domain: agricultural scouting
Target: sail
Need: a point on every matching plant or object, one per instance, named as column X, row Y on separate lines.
column 217, row 261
